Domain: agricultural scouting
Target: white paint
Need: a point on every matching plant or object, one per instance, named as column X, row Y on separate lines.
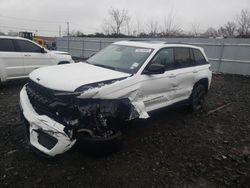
column 146, row 92
column 14, row 65
column 48, row 125
column 71, row 76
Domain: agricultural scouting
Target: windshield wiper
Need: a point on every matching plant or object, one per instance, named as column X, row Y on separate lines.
column 104, row 66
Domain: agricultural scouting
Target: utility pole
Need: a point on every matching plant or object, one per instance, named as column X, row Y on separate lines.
column 68, row 29
column 68, row 34
column 60, row 31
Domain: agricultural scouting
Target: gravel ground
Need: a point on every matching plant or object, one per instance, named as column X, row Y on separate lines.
column 174, row 148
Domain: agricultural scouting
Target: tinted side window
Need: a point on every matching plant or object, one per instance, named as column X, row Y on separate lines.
column 26, row 46
column 183, row 58
column 6, row 45
column 165, row 57
column 199, row 58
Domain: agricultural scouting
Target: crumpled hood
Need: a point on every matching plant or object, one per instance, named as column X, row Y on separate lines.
column 69, row 77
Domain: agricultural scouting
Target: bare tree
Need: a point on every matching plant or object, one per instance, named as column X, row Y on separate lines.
column 106, row 28
column 117, row 19
column 228, row 30
column 170, row 25
column 139, row 27
column 243, row 22
column 153, row 27
column 128, row 27
column 195, row 29
column 211, row 32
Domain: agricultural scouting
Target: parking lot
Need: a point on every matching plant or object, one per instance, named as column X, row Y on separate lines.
column 174, row 148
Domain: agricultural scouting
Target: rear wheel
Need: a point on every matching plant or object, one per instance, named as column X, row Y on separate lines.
column 197, row 98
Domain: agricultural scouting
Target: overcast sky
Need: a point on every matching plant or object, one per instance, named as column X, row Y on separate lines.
column 88, row 15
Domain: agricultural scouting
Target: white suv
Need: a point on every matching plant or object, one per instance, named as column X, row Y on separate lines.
column 19, row 56
column 126, row 80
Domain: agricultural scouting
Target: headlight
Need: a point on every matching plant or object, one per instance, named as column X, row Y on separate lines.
column 84, row 88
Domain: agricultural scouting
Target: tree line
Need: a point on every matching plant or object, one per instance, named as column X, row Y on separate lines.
column 119, row 23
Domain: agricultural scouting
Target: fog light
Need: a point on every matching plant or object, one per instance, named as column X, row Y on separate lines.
column 45, row 139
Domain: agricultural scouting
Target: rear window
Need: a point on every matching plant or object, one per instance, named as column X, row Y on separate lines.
column 6, row 45
column 199, row 58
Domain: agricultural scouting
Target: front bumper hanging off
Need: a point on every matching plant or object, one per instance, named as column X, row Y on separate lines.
column 44, row 133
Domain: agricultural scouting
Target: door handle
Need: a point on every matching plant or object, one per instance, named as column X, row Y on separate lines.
column 172, row 75
column 27, row 55
column 195, row 71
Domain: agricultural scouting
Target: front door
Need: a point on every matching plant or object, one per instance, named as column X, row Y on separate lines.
column 175, row 84
column 11, row 62
column 158, row 89
column 33, row 56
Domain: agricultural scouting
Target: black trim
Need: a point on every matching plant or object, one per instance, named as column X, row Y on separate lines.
column 15, row 49
column 20, row 50
column 45, row 139
column 191, row 55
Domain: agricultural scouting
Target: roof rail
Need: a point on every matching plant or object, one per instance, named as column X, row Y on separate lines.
column 176, row 42
column 139, row 40
column 156, row 41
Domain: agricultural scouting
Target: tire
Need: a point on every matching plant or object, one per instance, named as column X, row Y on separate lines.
column 197, row 97
column 99, row 146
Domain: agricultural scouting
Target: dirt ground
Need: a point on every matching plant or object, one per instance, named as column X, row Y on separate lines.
column 174, row 148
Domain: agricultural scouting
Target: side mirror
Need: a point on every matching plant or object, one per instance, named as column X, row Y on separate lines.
column 154, row 69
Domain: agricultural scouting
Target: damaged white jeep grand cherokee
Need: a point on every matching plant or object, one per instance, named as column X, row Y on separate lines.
column 124, row 81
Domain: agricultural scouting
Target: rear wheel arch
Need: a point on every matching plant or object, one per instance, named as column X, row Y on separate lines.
column 204, row 82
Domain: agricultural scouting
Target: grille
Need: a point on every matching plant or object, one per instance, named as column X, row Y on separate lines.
column 45, row 102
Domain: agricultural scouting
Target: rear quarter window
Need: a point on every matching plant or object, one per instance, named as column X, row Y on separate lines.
column 6, row 45
column 199, row 58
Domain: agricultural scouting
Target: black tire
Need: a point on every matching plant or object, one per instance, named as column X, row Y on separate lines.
column 99, row 146
column 197, row 98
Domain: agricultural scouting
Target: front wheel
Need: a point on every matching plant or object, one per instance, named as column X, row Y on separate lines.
column 197, row 98
column 99, row 145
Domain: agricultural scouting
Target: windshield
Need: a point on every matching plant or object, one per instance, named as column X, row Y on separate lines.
column 121, row 58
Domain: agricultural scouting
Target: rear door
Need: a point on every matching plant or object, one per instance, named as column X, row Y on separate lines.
column 33, row 56
column 184, row 72
column 201, row 69
column 11, row 61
